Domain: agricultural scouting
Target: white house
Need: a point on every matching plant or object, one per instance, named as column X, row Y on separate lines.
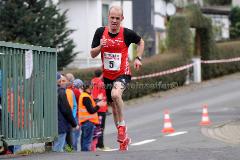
column 85, row 16
column 236, row 3
column 220, row 20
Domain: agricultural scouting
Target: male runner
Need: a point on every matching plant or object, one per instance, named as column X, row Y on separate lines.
column 112, row 42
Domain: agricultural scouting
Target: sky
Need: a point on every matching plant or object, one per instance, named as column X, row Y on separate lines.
column 55, row 1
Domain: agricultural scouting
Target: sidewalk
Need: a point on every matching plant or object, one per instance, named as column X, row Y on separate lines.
column 228, row 132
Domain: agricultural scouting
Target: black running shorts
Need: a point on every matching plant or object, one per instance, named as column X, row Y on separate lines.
column 124, row 79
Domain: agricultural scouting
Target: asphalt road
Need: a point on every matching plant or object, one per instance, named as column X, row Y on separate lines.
column 144, row 118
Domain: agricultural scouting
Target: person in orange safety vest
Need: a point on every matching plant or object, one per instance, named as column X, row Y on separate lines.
column 87, row 117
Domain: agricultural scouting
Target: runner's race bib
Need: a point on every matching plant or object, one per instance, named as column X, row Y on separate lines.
column 112, row 61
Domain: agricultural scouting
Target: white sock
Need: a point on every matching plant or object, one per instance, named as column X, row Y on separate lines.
column 122, row 123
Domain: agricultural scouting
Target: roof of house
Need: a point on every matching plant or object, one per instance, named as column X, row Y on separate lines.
column 218, row 10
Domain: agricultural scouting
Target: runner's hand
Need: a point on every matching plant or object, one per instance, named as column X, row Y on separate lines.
column 100, row 96
column 103, row 42
column 137, row 64
column 101, row 103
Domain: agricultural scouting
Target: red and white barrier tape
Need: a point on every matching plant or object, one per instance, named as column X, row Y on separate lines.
column 164, row 72
column 185, row 67
column 221, row 60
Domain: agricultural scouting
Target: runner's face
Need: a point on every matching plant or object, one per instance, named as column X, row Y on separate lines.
column 115, row 18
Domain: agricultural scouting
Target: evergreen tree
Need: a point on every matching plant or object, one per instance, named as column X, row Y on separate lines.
column 37, row 22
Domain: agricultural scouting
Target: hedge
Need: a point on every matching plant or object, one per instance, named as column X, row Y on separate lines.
column 179, row 38
column 157, row 63
column 225, row 50
column 209, row 49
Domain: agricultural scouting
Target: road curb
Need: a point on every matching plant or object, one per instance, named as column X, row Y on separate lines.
column 227, row 132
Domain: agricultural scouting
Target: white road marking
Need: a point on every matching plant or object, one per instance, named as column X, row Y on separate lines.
column 148, row 141
column 110, row 150
column 143, row 142
column 176, row 134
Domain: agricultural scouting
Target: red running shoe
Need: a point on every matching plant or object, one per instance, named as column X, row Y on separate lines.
column 124, row 145
column 122, row 133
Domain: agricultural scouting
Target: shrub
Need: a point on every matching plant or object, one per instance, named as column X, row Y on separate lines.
column 179, row 38
column 208, row 51
column 207, row 44
column 139, row 88
column 225, row 50
column 235, row 23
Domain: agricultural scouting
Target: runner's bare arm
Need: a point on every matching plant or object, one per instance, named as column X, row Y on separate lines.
column 140, row 49
column 95, row 51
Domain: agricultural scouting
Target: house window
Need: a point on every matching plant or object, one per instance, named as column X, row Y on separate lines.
column 105, row 8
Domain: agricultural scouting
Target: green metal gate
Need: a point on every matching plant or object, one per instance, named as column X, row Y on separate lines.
column 29, row 93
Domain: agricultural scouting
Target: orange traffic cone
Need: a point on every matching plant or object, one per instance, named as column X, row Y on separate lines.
column 167, row 123
column 205, row 119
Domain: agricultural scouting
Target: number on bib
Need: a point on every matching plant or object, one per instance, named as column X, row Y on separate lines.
column 112, row 61
column 111, row 64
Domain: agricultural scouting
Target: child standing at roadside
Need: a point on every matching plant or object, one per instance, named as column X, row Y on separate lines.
column 87, row 116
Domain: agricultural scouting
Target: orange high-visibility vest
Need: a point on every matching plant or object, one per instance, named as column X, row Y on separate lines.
column 83, row 114
column 69, row 94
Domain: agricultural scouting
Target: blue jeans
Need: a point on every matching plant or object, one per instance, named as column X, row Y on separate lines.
column 87, row 135
column 14, row 149
column 76, row 139
column 59, row 143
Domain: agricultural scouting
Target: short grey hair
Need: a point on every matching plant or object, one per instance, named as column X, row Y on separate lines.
column 70, row 77
column 115, row 7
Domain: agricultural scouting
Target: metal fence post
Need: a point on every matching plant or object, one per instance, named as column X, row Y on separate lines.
column 29, row 93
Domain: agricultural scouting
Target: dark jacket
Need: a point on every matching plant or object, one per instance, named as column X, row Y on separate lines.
column 89, row 106
column 65, row 116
